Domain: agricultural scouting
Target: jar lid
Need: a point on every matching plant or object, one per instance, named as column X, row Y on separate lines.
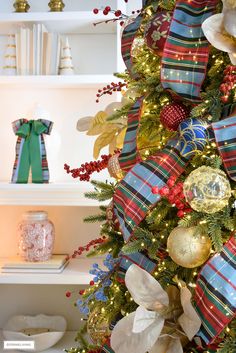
column 35, row 216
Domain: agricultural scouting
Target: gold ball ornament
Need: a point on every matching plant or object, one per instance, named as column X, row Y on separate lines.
column 113, row 167
column 187, row 247
column 207, row 189
column 98, row 327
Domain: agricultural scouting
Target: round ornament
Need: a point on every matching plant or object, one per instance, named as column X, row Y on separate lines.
column 157, row 30
column 207, row 189
column 137, row 46
column 98, row 327
column 173, row 114
column 188, row 247
column 113, row 167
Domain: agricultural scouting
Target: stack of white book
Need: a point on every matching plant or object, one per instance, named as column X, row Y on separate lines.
column 17, row 265
column 37, row 51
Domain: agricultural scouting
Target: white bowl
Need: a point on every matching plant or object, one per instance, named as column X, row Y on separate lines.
column 56, row 325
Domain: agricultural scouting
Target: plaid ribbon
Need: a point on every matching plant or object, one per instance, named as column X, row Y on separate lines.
column 225, row 137
column 215, row 294
column 129, row 154
column 138, row 259
column 128, row 36
column 16, row 125
column 134, row 197
column 186, row 51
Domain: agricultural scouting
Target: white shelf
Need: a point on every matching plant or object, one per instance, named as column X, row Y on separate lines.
column 64, row 194
column 76, row 272
column 61, row 22
column 67, row 341
column 75, row 81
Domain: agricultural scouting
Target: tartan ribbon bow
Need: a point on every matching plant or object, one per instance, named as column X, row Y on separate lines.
column 30, row 131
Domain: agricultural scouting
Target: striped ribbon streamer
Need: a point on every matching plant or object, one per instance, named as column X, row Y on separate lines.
column 215, row 293
column 225, row 138
column 186, row 51
column 128, row 36
column 130, row 155
column 138, row 259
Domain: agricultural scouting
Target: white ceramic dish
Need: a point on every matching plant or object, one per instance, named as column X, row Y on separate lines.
column 45, row 340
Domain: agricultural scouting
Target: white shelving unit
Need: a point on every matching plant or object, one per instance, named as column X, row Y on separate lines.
column 58, row 194
column 96, row 56
column 63, row 22
column 75, row 81
column 76, row 272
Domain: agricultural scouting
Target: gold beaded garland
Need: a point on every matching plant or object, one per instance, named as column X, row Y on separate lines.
column 188, row 247
column 207, row 189
column 113, row 167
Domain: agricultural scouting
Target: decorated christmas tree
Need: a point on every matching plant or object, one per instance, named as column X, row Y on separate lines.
column 169, row 281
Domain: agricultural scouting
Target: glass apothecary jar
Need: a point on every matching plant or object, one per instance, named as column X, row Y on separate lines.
column 36, row 234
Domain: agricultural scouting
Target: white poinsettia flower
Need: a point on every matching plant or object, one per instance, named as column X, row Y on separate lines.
column 220, row 29
column 145, row 329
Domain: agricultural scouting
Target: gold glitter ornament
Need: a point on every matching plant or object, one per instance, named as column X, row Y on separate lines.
column 98, row 327
column 207, row 189
column 113, row 167
column 187, row 247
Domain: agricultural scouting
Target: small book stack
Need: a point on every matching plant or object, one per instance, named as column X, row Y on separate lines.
column 17, row 265
column 37, row 51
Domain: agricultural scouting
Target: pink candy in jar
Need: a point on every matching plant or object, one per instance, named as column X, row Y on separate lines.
column 36, row 236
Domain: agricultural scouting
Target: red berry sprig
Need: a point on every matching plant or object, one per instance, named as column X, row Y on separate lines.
column 84, row 172
column 174, row 194
column 229, row 83
column 119, row 16
column 93, row 243
column 81, row 249
column 109, row 89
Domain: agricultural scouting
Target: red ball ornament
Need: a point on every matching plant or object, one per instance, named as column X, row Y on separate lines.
column 157, row 30
column 173, row 114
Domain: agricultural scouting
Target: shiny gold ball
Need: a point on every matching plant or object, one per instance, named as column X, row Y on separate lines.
column 113, row 167
column 207, row 189
column 188, row 247
column 98, row 327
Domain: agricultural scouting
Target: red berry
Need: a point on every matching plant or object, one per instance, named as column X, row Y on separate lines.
column 91, row 283
column 118, row 13
column 108, row 8
column 164, row 191
column 81, row 292
column 155, row 190
column 170, row 182
column 95, row 11
column 121, row 23
column 68, row 294
column 105, row 12
column 224, row 99
column 180, row 213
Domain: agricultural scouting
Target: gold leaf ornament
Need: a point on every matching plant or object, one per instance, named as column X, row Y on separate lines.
column 104, row 139
column 98, row 124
